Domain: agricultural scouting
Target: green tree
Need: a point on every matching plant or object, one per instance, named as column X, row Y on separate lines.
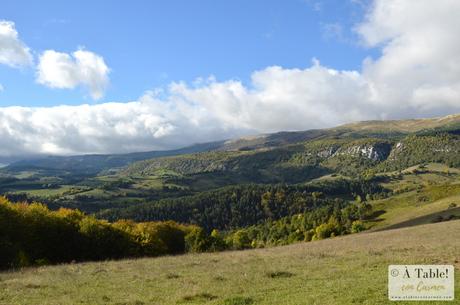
column 241, row 240
column 357, row 226
column 197, row 240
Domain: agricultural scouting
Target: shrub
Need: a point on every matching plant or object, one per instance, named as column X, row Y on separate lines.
column 329, row 229
column 357, row 226
column 240, row 240
column 31, row 234
column 158, row 238
column 196, row 240
column 216, row 241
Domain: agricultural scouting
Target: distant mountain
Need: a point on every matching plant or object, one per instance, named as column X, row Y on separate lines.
column 306, row 160
column 95, row 164
column 406, row 126
column 376, row 128
column 88, row 165
column 136, row 185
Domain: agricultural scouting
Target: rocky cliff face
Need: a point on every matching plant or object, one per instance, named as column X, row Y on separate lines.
column 328, row 152
column 375, row 152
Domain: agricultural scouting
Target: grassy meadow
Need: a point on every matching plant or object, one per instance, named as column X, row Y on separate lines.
column 418, row 197
column 342, row 270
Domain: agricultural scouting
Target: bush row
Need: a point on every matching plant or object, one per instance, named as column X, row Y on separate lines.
column 31, row 234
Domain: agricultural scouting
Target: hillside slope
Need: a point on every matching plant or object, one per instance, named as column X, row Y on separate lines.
column 95, row 164
column 361, row 151
column 310, row 159
column 405, row 126
column 342, row 270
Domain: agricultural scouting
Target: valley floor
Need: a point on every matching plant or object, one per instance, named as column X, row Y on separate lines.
column 343, row 270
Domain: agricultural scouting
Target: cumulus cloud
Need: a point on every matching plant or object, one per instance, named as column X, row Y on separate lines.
column 13, row 52
column 417, row 74
column 55, row 69
column 67, row 71
column 281, row 99
column 142, row 125
column 183, row 114
column 419, row 69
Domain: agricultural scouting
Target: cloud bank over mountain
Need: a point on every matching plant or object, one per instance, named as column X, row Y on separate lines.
column 416, row 75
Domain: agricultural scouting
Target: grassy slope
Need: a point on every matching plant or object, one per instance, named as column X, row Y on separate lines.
column 403, row 208
column 404, row 125
column 420, row 198
column 343, row 270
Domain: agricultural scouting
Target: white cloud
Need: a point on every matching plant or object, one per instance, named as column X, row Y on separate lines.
column 418, row 72
column 55, row 69
column 146, row 124
column 281, row 99
column 81, row 68
column 416, row 75
column 13, row 52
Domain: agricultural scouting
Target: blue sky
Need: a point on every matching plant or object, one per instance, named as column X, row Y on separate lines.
column 148, row 44
column 124, row 76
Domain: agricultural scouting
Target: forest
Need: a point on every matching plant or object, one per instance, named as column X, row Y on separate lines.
column 252, row 216
column 245, row 205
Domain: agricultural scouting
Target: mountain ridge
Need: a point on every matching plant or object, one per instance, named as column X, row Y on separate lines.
column 92, row 164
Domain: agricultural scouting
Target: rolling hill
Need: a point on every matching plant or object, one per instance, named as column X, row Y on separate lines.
column 406, row 126
column 363, row 150
column 90, row 165
column 97, row 164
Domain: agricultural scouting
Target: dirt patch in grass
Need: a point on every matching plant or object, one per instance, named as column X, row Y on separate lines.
column 279, row 274
column 202, row 297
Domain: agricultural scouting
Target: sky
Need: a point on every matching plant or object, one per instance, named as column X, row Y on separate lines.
column 79, row 77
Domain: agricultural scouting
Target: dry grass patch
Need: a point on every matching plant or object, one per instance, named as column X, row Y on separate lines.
column 342, row 270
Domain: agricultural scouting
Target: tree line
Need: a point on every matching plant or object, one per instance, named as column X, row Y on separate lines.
column 241, row 206
column 31, row 234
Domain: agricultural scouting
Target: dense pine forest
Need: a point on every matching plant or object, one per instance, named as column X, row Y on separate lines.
column 240, row 206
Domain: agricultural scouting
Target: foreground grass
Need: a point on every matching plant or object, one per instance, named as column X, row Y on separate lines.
column 344, row 270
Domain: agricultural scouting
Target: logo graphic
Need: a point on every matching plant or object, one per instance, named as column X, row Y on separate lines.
column 421, row 282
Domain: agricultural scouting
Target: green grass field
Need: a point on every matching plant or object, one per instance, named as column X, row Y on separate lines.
column 342, row 270
column 414, row 204
column 48, row 192
column 418, row 197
